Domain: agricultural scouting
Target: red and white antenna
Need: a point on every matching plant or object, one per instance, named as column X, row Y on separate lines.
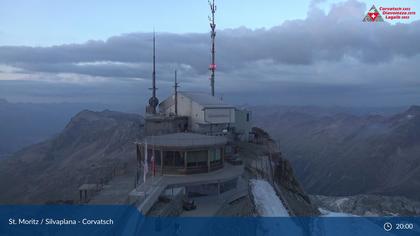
column 212, row 67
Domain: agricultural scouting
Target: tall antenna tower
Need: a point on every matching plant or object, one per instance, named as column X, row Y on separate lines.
column 153, row 101
column 176, row 86
column 212, row 67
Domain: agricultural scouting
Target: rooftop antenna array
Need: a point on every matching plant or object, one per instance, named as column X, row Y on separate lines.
column 176, row 86
column 212, row 67
column 153, row 101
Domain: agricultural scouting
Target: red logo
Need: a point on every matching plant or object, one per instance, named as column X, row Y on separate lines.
column 373, row 15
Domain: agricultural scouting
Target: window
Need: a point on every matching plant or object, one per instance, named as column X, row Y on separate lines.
column 179, row 158
column 171, row 158
column 197, row 158
column 157, row 157
column 215, row 154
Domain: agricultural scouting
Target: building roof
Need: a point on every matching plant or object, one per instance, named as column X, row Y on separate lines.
column 88, row 187
column 206, row 100
column 185, row 140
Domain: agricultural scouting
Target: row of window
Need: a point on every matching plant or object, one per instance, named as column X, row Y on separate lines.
column 194, row 158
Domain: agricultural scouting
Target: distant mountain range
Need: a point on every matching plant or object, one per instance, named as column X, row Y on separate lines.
column 89, row 149
column 369, row 205
column 343, row 154
column 22, row 124
column 334, row 151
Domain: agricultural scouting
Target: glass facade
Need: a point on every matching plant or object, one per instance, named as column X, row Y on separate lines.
column 215, row 155
column 197, row 158
column 185, row 161
column 173, row 158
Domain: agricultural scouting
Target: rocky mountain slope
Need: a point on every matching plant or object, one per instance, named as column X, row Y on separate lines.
column 23, row 124
column 369, row 205
column 281, row 176
column 91, row 147
column 343, row 154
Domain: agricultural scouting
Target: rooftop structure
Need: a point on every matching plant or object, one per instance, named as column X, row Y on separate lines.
column 202, row 99
column 206, row 100
column 159, row 124
column 206, row 114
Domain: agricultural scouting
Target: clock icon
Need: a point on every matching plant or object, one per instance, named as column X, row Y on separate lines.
column 387, row 226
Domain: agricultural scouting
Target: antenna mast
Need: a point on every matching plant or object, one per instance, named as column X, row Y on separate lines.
column 154, row 65
column 176, row 86
column 212, row 67
column 153, row 101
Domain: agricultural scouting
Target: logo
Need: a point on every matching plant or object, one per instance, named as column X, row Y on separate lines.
column 373, row 15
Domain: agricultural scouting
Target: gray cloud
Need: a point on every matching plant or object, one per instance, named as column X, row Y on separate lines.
column 320, row 58
column 319, row 37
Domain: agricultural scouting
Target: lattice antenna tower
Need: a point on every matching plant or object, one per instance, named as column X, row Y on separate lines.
column 212, row 67
column 176, row 86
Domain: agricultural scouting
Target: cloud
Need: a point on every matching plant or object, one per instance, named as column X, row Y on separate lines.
column 320, row 37
column 331, row 51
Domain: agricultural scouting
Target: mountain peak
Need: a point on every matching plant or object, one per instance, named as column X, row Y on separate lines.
column 414, row 110
column 88, row 115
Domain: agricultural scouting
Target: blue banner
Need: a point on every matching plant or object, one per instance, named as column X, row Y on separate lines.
column 126, row 220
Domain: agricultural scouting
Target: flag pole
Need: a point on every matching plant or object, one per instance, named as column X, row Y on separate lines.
column 154, row 161
column 145, row 166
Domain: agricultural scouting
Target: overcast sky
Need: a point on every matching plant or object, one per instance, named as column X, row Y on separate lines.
column 305, row 53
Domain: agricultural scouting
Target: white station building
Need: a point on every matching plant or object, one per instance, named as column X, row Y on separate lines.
column 206, row 114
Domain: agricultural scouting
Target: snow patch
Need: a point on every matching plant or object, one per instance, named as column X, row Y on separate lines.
column 326, row 213
column 266, row 201
column 340, row 202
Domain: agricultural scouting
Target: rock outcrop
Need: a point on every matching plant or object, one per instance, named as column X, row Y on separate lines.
column 369, row 205
column 297, row 200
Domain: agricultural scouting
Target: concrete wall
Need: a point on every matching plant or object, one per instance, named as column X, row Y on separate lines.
column 197, row 114
column 165, row 125
column 243, row 124
column 219, row 115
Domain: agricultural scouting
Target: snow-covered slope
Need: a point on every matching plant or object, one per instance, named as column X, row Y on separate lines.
column 266, row 201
